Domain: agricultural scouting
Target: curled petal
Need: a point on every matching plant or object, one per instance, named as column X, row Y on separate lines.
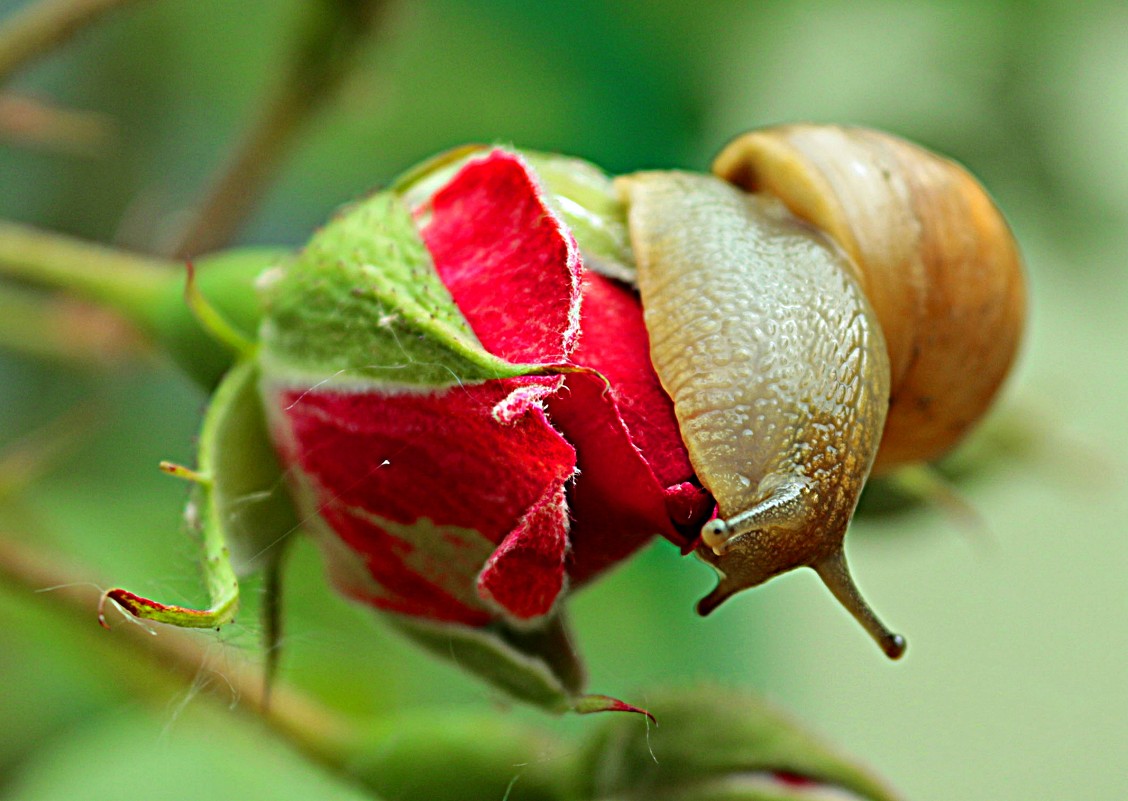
column 525, row 575
column 509, row 262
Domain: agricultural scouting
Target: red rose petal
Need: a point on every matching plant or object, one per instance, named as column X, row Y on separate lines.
column 617, row 504
column 615, row 342
column 476, row 458
column 525, row 574
column 689, row 505
column 442, row 455
column 398, row 582
column 634, row 472
column 509, row 262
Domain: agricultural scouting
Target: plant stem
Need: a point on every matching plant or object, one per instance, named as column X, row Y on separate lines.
column 66, row 330
column 454, row 750
column 126, row 282
column 42, row 26
column 36, row 123
column 311, row 728
column 332, row 34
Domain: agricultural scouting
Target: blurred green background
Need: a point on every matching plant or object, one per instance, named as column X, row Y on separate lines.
column 1014, row 684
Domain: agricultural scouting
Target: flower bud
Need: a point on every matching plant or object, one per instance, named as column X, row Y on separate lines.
column 469, row 419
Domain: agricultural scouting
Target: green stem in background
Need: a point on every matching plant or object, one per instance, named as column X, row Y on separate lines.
column 45, row 25
column 147, row 291
column 32, row 455
column 311, row 728
column 926, row 483
column 36, row 123
column 65, row 330
column 332, row 34
column 128, row 283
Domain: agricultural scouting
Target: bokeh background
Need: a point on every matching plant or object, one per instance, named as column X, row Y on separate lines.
column 1014, row 686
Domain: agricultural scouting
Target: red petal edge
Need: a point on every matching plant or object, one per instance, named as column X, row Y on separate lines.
column 525, row 575
column 635, row 479
column 510, row 263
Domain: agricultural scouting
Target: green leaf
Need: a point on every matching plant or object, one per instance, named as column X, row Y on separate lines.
column 538, row 666
column 363, row 301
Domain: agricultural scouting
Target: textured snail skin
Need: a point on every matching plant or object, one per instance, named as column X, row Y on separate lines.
column 932, row 252
column 778, row 370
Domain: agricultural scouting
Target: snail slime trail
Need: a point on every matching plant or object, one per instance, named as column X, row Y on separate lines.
column 778, row 371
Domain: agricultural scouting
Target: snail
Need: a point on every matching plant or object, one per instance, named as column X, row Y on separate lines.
column 837, row 300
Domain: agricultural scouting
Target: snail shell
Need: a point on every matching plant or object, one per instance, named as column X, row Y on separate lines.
column 932, row 252
column 783, row 351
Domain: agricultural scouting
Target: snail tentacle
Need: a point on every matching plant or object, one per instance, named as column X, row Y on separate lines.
column 835, row 574
column 784, row 508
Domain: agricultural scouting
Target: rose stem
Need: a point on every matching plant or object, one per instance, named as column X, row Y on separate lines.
column 310, row 727
column 37, row 29
column 36, row 123
column 125, row 282
column 67, row 331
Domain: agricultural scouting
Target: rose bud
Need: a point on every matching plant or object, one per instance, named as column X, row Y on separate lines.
column 471, row 419
column 468, row 420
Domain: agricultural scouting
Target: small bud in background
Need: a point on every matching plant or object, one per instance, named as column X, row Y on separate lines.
column 719, row 745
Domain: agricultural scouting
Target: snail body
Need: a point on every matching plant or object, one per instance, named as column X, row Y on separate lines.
column 783, row 351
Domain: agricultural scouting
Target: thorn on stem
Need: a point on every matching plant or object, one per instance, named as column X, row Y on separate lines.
column 185, row 473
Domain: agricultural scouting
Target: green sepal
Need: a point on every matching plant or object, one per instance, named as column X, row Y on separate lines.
column 249, row 500
column 363, row 301
column 586, row 198
column 537, row 666
column 46, row 327
column 719, row 745
column 416, row 184
column 226, row 280
column 240, row 505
